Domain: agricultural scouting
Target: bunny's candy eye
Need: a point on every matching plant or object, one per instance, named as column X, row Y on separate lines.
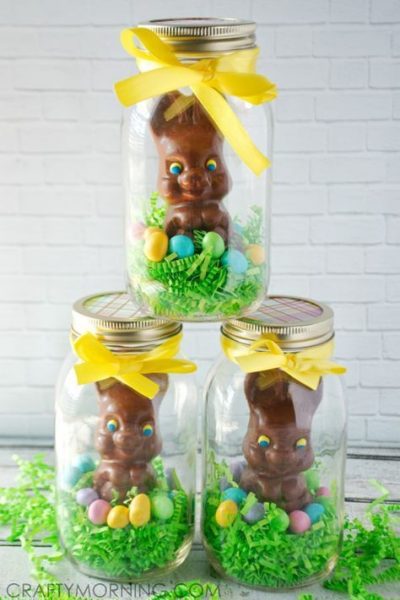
column 112, row 425
column 211, row 164
column 148, row 430
column 264, row 441
column 175, row 168
column 301, row 443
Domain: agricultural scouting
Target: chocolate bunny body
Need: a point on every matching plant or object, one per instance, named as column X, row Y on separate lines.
column 190, row 145
column 277, row 445
column 127, row 438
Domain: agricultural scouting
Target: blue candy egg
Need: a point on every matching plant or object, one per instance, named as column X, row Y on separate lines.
column 237, row 467
column 84, row 462
column 71, row 476
column 236, row 494
column 238, row 228
column 235, row 260
column 314, row 511
column 182, row 245
column 256, row 513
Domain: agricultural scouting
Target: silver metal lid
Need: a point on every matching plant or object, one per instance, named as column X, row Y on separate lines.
column 294, row 323
column 194, row 35
column 117, row 322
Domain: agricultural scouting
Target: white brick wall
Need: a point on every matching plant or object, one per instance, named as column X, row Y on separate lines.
column 336, row 225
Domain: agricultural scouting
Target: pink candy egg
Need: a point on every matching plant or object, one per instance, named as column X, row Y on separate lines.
column 299, row 521
column 137, row 230
column 323, row 491
column 86, row 496
column 98, row 512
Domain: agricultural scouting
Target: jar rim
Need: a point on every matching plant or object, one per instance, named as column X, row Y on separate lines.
column 292, row 322
column 115, row 320
column 204, row 35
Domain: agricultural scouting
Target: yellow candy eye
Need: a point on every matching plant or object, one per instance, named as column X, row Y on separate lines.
column 175, row 168
column 211, row 164
column 301, row 443
column 264, row 441
column 148, row 430
column 112, row 425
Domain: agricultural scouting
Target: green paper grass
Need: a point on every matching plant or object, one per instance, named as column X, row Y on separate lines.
column 197, row 285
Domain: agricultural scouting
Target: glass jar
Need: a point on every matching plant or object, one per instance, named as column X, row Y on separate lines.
column 198, row 216
column 274, row 449
column 125, row 449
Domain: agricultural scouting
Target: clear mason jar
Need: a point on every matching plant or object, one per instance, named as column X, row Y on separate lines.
column 125, row 461
column 197, row 217
column 274, row 448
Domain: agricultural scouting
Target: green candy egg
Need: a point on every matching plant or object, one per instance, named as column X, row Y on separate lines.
column 162, row 507
column 213, row 243
column 280, row 521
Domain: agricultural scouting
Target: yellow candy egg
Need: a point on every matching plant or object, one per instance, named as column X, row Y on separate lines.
column 226, row 513
column 118, row 517
column 150, row 230
column 140, row 510
column 255, row 253
column 156, row 246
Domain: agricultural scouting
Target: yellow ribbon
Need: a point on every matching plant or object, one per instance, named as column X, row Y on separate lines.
column 100, row 363
column 209, row 79
column 307, row 366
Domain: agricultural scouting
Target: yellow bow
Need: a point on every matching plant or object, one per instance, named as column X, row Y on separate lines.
column 100, row 363
column 307, row 366
column 232, row 74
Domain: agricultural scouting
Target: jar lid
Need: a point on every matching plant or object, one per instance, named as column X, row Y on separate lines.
column 198, row 34
column 293, row 323
column 114, row 319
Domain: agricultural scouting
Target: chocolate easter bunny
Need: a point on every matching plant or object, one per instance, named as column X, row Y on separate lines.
column 277, row 444
column 127, row 438
column 192, row 177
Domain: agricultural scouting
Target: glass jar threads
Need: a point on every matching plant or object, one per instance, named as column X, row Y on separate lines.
column 125, row 448
column 274, row 450
column 197, row 189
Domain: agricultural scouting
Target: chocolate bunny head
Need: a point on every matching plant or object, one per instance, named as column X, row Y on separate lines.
column 277, row 442
column 128, row 429
column 191, row 165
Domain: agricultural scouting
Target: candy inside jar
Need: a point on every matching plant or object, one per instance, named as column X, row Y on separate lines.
column 198, row 194
column 125, row 448
column 275, row 447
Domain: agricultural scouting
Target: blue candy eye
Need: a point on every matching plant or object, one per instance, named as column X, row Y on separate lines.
column 175, row 168
column 112, row 425
column 148, row 430
column 264, row 441
column 211, row 164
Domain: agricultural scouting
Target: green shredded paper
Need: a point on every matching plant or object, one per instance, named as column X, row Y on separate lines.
column 198, row 285
column 370, row 551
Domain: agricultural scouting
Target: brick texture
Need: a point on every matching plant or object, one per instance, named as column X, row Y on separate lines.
column 336, row 209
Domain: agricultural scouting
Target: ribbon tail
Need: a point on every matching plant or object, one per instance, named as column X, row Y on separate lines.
column 231, row 128
column 141, row 384
column 91, row 372
column 308, row 379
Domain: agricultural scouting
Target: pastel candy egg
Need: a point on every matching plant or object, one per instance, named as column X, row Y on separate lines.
column 84, row 462
column 137, row 230
column 299, row 521
column 139, row 510
column 156, row 246
column 237, row 467
column 98, row 512
column 235, row 260
column 226, row 513
column 71, row 476
column 314, row 511
column 86, row 496
column 238, row 228
column 256, row 513
column 323, row 491
column 118, row 517
column 162, row 507
column 326, row 503
column 280, row 521
column 213, row 243
column 312, row 480
column 150, row 230
column 182, row 245
column 256, row 254
column 236, row 494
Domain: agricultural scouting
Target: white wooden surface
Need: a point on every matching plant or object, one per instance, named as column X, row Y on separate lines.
column 362, row 466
